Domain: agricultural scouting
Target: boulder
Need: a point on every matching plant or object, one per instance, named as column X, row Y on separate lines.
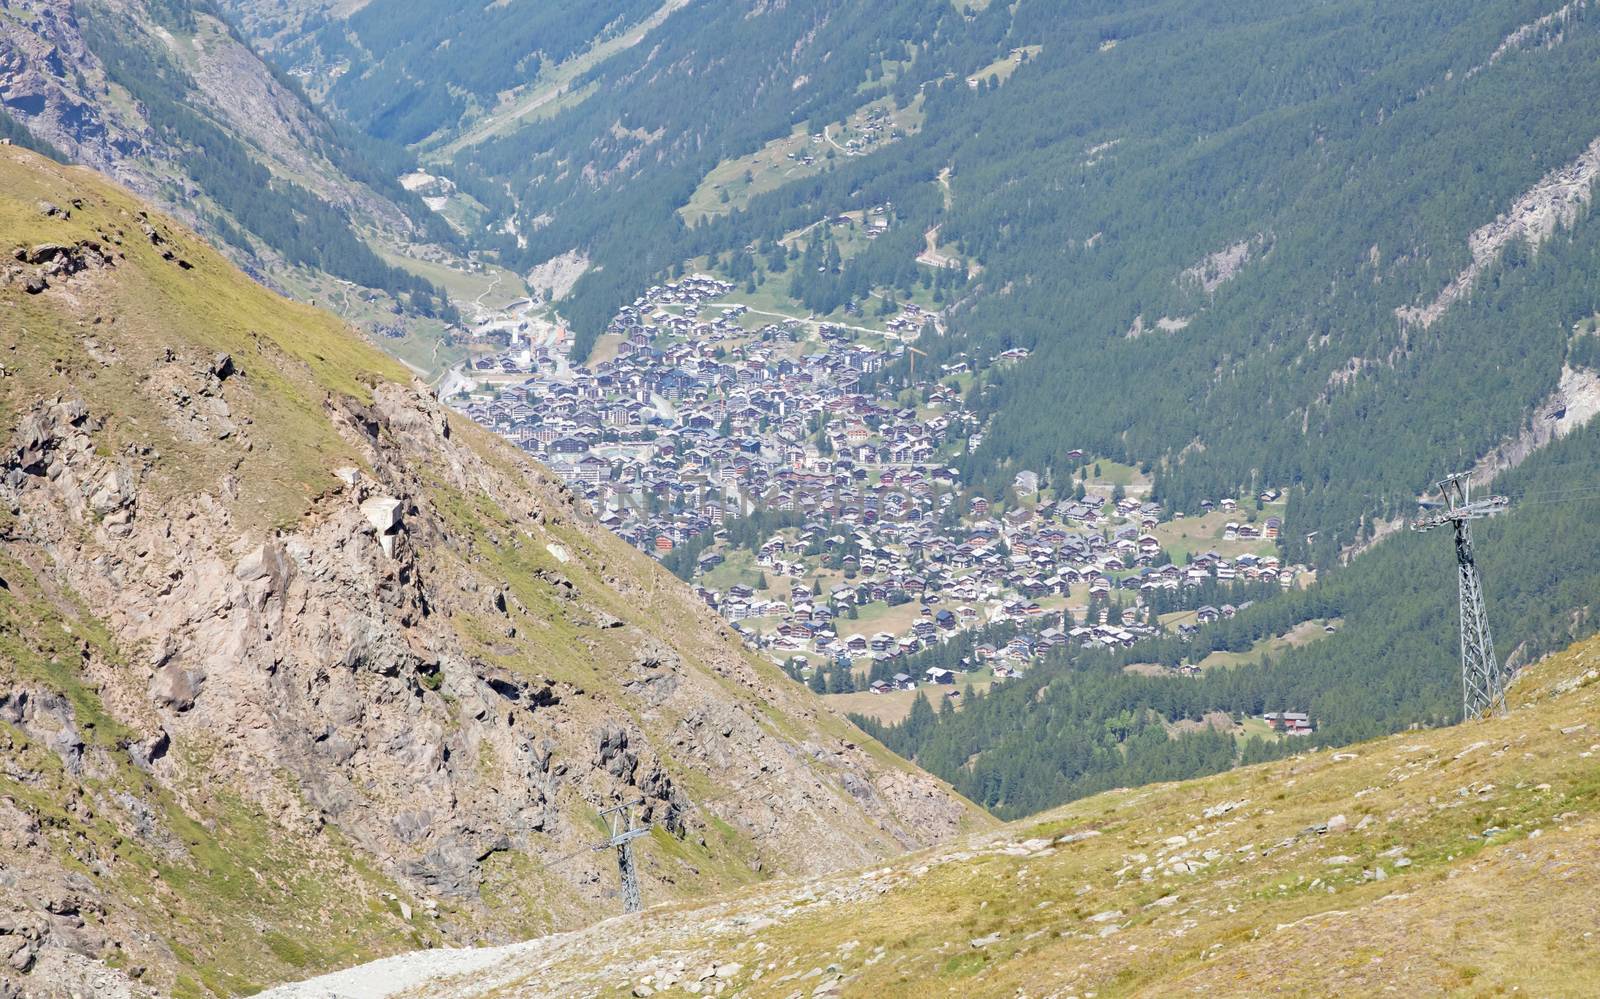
column 21, row 954
column 175, row 687
column 383, row 513
column 266, row 562
column 145, row 753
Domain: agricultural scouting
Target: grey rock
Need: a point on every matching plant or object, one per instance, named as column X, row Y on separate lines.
column 21, row 956
column 146, row 753
column 175, row 687
column 383, row 513
column 269, row 568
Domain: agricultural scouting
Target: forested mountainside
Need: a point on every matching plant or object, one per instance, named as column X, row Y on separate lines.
column 404, row 70
column 1245, row 244
column 167, row 98
column 296, row 667
column 1331, row 874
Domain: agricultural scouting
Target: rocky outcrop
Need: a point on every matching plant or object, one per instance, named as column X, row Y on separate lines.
column 554, row 278
column 328, row 652
column 1556, row 201
column 1218, row 268
column 389, row 638
column 1573, row 404
column 1547, row 31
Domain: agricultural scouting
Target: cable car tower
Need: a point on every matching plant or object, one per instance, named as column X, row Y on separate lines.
column 1483, row 678
column 622, row 832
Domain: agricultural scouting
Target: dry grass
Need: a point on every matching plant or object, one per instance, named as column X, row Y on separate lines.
column 777, row 163
column 1180, row 538
column 1303, row 633
column 893, row 707
column 292, row 356
column 1487, row 836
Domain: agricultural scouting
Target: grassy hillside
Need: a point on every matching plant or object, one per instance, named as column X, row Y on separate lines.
column 1458, row 861
column 246, row 734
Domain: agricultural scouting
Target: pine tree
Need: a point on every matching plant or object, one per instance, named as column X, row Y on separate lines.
column 839, row 681
column 921, row 719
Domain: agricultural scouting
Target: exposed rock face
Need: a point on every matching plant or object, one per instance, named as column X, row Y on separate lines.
column 316, row 649
column 555, row 277
column 1571, row 406
column 1218, row 268
column 1556, row 201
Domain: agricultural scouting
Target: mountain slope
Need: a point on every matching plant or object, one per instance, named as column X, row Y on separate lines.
column 164, row 97
column 1459, row 861
column 298, row 668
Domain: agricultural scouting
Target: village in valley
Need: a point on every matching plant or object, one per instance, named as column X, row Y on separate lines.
column 817, row 504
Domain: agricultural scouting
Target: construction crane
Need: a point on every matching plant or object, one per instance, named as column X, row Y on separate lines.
column 622, row 833
column 1483, row 678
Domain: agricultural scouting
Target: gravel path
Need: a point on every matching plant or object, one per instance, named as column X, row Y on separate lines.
column 393, row 975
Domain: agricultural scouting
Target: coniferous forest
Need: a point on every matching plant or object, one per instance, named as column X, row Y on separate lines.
column 1079, row 723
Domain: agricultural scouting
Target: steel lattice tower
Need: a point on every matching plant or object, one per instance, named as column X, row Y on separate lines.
column 619, row 825
column 1483, row 678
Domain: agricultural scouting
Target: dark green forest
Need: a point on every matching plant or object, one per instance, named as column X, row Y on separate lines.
column 415, row 78
column 623, row 207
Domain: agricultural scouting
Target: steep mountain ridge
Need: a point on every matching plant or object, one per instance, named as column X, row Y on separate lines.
column 1453, row 861
column 300, row 667
column 163, row 96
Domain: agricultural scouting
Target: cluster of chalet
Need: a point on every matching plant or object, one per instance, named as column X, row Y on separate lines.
column 697, row 417
column 970, row 573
